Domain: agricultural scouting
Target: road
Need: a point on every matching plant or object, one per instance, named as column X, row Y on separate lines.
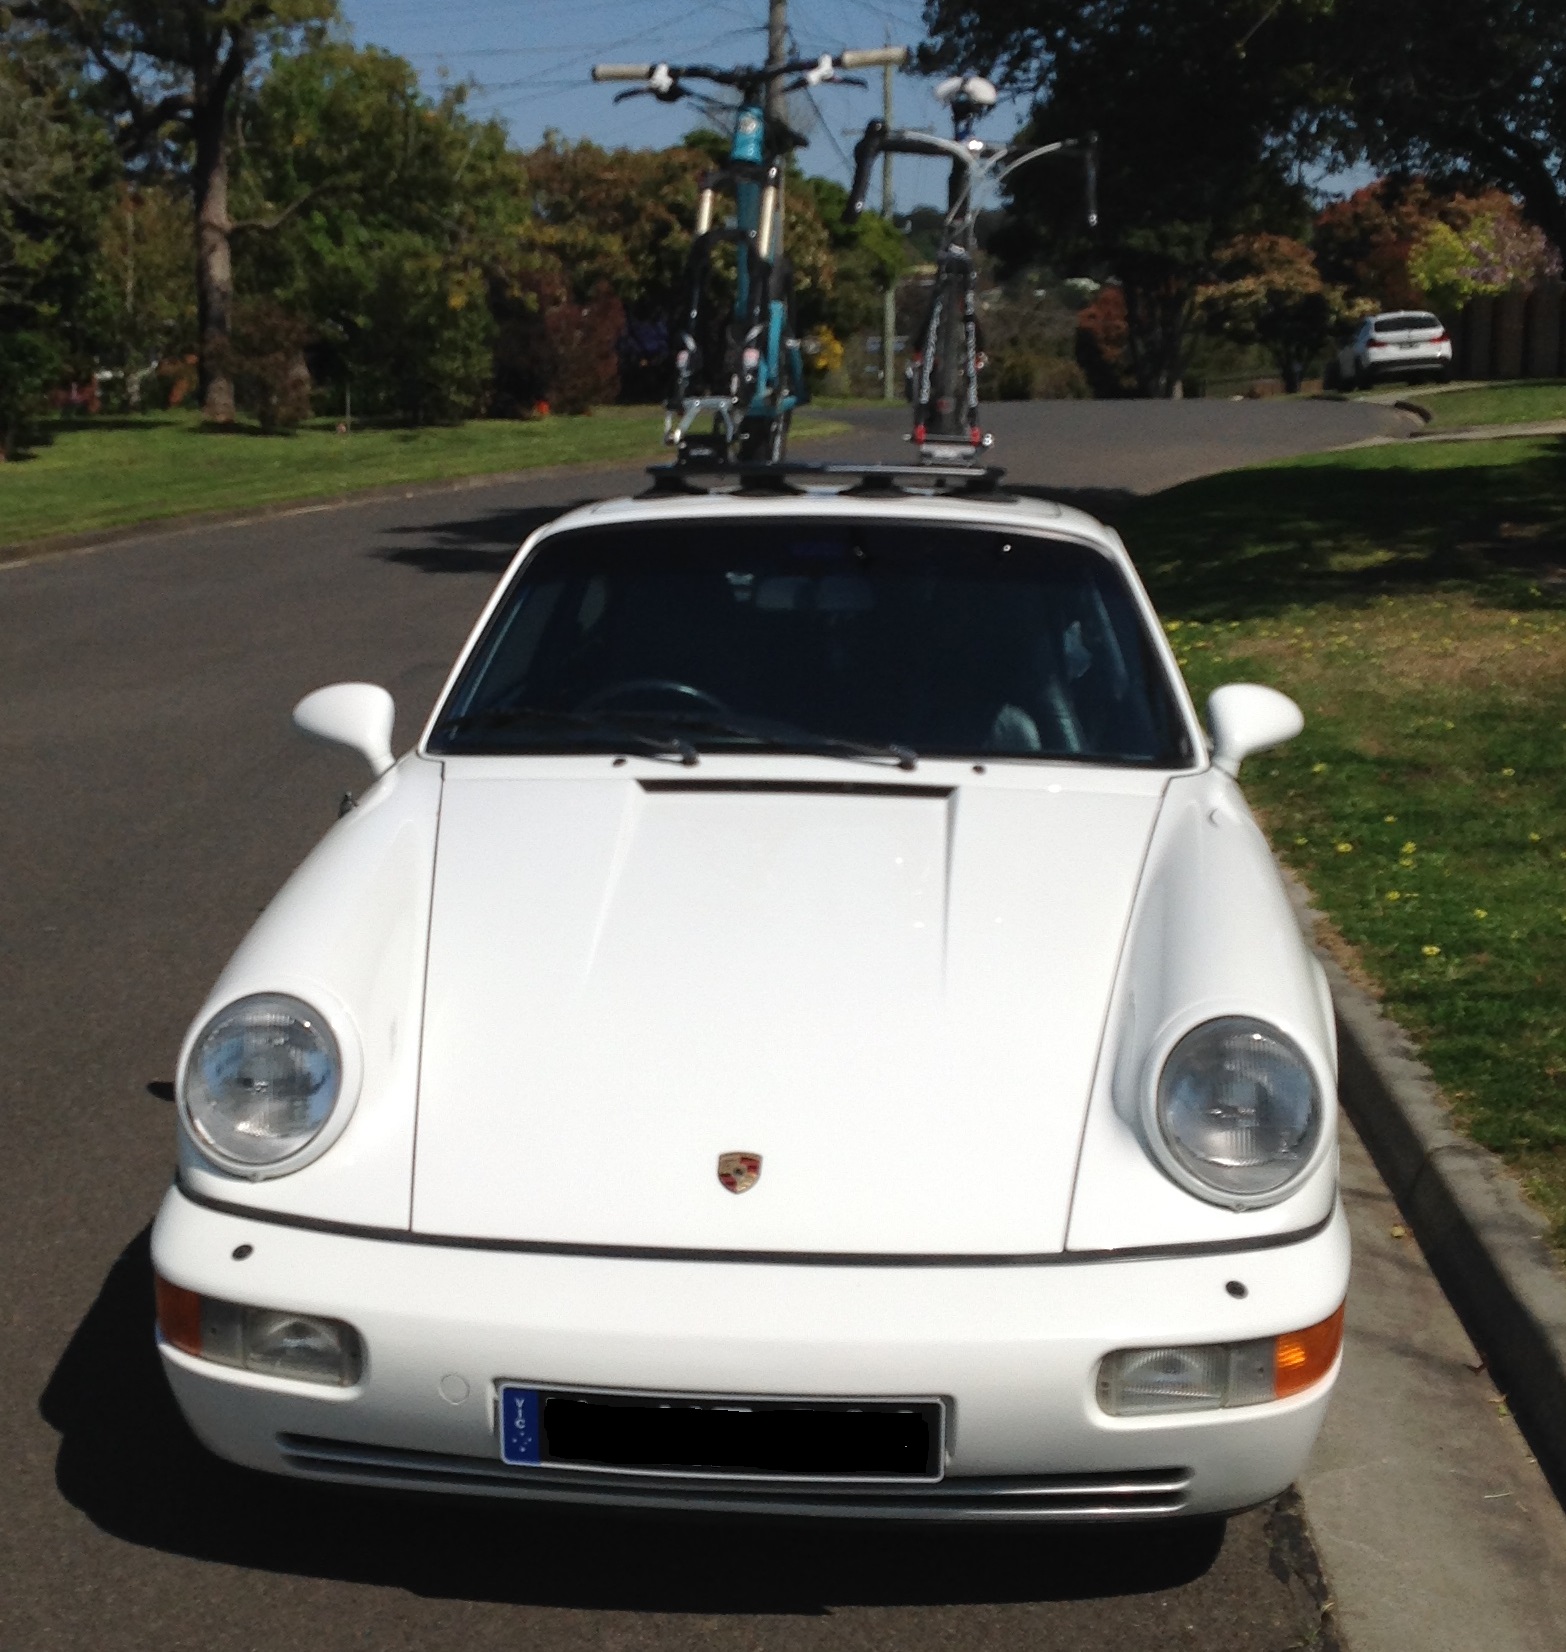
column 154, row 798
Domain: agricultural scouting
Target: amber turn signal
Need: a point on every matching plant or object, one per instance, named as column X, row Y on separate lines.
column 179, row 1316
column 1303, row 1358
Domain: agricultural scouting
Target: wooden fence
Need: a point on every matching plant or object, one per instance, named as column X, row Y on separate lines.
column 1515, row 335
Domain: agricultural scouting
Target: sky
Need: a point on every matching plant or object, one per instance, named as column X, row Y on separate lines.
column 529, row 61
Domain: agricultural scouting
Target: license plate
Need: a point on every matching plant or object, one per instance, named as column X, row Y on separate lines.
column 732, row 1437
column 521, row 1433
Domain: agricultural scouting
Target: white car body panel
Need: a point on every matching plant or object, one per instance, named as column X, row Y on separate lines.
column 910, row 1050
column 1399, row 352
column 570, row 981
column 347, row 932
column 1013, row 1351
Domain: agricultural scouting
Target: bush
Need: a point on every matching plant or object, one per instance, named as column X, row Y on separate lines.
column 1025, row 375
column 584, row 347
column 29, row 364
column 264, row 356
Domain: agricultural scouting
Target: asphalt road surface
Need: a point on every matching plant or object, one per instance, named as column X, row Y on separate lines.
column 154, row 797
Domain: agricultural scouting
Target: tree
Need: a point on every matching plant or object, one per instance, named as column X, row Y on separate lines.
column 55, row 167
column 1401, row 244
column 1269, row 292
column 1443, row 85
column 1490, row 250
column 169, row 70
column 141, row 310
column 1206, row 108
column 396, row 215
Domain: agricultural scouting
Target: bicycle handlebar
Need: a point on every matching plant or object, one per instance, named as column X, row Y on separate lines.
column 816, row 68
column 873, row 57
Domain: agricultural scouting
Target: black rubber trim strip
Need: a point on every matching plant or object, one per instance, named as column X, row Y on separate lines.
column 831, row 788
column 786, row 1258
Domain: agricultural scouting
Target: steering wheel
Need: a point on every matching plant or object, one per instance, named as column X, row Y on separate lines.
column 645, row 685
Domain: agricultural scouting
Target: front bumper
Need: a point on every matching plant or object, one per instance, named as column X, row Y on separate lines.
column 1013, row 1350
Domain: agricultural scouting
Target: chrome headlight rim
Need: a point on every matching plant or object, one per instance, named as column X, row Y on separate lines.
column 1173, row 1035
column 320, row 1006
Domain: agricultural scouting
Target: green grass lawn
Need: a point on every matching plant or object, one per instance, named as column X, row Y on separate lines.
column 1413, row 600
column 1521, row 401
column 107, row 472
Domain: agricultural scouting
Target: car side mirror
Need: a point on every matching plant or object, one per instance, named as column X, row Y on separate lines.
column 358, row 716
column 1245, row 718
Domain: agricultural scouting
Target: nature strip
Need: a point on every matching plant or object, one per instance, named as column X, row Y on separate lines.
column 1486, row 1245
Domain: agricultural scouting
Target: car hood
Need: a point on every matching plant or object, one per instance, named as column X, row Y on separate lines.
column 893, row 993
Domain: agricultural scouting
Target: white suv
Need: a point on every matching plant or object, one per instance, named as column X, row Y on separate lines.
column 1398, row 344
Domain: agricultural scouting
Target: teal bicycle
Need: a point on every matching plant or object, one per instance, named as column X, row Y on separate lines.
column 739, row 371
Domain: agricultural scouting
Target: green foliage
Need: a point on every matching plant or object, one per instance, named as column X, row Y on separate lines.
column 141, row 309
column 1401, row 243
column 867, row 257
column 1205, row 112
column 1269, row 292
column 54, row 171
column 1441, row 86
column 381, row 217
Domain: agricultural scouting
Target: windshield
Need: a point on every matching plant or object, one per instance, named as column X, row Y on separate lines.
column 886, row 638
column 1408, row 323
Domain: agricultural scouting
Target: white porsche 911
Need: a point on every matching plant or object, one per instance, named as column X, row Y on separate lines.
column 811, row 1027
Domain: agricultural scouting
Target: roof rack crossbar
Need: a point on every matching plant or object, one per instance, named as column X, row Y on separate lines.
column 875, row 476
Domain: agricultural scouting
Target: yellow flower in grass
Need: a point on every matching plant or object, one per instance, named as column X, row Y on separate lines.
column 1480, row 912
column 1394, row 895
column 1431, row 951
column 1318, row 768
column 1345, row 848
column 1508, row 773
column 1533, row 837
column 1408, row 848
column 1391, row 820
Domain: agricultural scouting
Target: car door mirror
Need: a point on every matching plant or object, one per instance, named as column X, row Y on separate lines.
column 358, row 716
column 1245, row 718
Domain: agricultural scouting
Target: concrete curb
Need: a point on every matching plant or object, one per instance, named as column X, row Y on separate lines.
column 1485, row 1244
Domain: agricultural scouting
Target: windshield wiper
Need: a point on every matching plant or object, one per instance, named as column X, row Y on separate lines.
column 783, row 736
column 606, row 722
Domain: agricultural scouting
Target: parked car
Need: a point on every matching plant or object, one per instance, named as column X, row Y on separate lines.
column 1403, row 344
column 810, row 1026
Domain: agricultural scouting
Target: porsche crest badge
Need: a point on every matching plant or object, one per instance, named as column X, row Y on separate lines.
column 739, row 1172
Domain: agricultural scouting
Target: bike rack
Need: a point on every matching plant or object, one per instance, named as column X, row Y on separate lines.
column 782, row 477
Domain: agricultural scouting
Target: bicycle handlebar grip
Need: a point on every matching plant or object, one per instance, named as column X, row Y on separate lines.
column 872, row 57
column 622, row 71
column 865, row 152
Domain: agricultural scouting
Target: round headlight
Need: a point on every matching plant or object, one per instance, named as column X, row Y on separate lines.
column 262, row 1080
column 1239, row 1108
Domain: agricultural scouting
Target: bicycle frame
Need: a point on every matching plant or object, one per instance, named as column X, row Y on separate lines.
column 973, row 165
column 762, row 374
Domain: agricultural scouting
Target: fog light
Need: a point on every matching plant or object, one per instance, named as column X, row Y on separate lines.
column 274, row 1342
column 1135, row 1382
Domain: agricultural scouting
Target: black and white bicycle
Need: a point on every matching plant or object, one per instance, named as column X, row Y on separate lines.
column 944, row 381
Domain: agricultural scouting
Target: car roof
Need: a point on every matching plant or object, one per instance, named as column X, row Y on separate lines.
column 1002, row 510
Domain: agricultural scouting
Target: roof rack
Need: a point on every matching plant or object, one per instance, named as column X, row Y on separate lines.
column 781, row 476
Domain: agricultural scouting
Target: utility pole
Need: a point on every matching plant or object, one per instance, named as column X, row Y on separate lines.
column 889, row 297
column 777, row 52
column 777, row 108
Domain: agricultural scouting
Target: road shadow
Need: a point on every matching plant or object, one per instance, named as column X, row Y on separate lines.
column 480, row 544
column 128, row 1462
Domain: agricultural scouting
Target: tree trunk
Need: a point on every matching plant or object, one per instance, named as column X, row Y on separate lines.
column 214, row 267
